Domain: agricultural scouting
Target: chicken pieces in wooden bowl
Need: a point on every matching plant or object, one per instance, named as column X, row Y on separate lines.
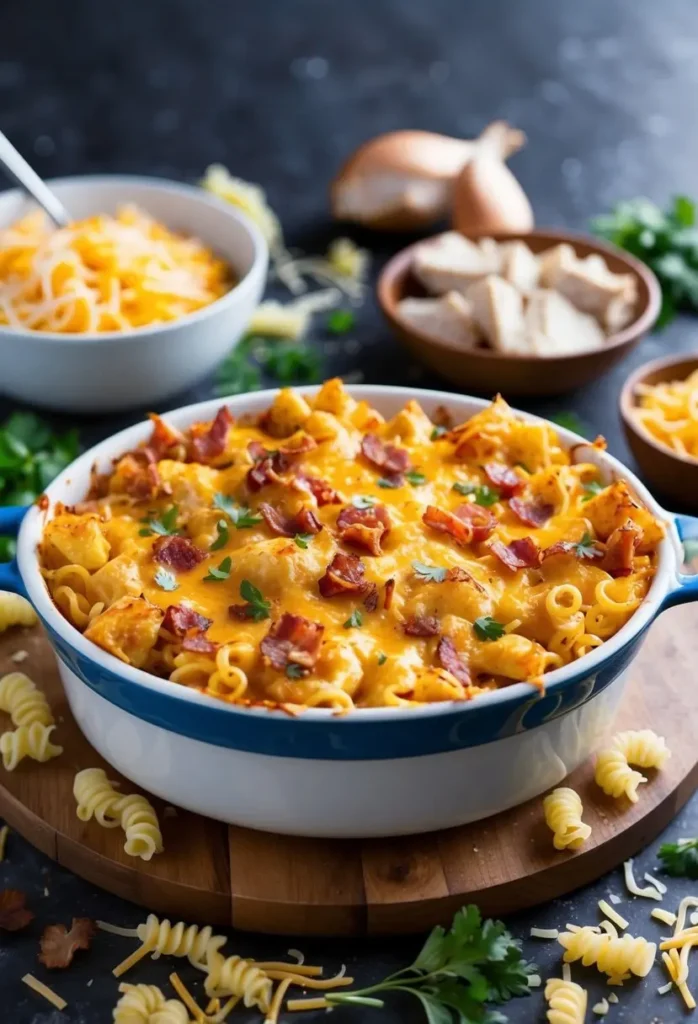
column 534, row 314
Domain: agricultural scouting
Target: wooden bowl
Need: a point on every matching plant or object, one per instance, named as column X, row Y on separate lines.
column 673, row 474
column 489, row 372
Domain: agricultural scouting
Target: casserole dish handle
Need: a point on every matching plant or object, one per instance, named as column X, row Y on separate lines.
column 687, row 588
column 10, row 522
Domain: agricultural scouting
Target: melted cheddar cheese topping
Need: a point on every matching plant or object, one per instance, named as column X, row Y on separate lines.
column 319, row 556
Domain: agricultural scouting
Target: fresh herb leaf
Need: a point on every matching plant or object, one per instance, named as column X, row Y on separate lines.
column 166, row 579
column 294, row 671
column 223, row 536
column 302, row 540
column 586, row 547
column 224, row 504
column 340, row 321
column 483, row 494
column 363, row 501
column 680, row 859
column 432, row 573
column 570, row 421
column 237, row 375
column 390, row 482
column 283, row 362
column 415, row 478
column 165, row 526
column 221, row 573
column 355, row 620
column 438, row 432
column 241, row 517
column 258, row 607
column 487, row 628
column 8, row 548
column 382, row 658
column 592, row 487
column 292, row 364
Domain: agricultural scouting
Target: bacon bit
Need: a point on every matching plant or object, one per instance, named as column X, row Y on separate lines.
column 163, row 437
column 266, row 471
column 322, row 492
column 371, row 599
column 42, row 502
column 442, row 417
column 99, row 484
column 139, row 475
column 344, row 575
column 620, row 549
column 179, row 620
column 422, row 625
column 179, row 553
column 457, row 575
column 13, row 913
column 533, row 513
column 364, row 527
column 506, row 480
column 199, row 643
column 389, row 591
column 481, row 519
column 257, row 451
column 451, row 660
column 58, row 945
column 292, row 640
column 520, row 554
column 304, row 521
column 392, row 461
column 209, row 445
column 446, row 522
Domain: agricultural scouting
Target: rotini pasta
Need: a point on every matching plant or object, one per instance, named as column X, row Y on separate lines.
column 237, row 977
column 31, row 714
column 96, row 797
column 15, row 611
column 146, row 1004
column 567, row 1002
column 32, row 741
column 641, row 747
column 163, row 938
column 616, row 956
column 563, row 815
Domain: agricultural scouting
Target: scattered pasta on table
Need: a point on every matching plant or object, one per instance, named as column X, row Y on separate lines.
column 97, row 798
column 15, row 610
column 641, row 747
column 33, row 720
column 563, row 815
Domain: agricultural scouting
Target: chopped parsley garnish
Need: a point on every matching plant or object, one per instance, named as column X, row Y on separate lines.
column 586, row 547
column 294, row 671
column 363, row 501
column 483, row 494
column 487, row 628
column 166, row 579
column 415, row 478
column 292, row 364
column 165, row 526
column 570, row 421
column 242, row 371
column 223, row 536
column 382, row 658
column 302, row 540
column 680, row 859
column 340, row 321
column 432, row 573
column 438, row 432
column 355, row 620
column 390, row 482
column 240, row 516
column 592, row 487
column 258, row 607
column 222, row 572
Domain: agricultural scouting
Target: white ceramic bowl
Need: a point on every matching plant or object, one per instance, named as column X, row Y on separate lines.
column 119, row 370
column 381, row 771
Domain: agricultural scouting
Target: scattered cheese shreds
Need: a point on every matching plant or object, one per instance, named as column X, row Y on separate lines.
column 534, row 981
column 663, row 989
column 248, row 197
column 600, row 1008
column 296, row 955
column 114, row 929
column 296, row 1005
column 665, row 916
column 291, row 320
column 612, row 997
column 544, row 933
column 19, row 656
column 4, row 832
column 693, row 918
column 631, row 885
column 659, row 886
column 566, row 972
column 612, row 914
column 43, row 990
column 186, row 997
column 615, row 900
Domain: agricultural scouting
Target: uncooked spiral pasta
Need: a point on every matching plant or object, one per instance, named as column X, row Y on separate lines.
column 164, row 938
column 616, row 956
column 641, row 747
column 96, row 797
column 31, row 714
column 145, row 1004
column 567, row 1002
column 140, row 823
column 15, row 611
column 28, row 741
column 237, row 977
column 563, row 815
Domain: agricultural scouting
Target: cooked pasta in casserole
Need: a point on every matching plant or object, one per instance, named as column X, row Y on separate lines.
column 319, row 556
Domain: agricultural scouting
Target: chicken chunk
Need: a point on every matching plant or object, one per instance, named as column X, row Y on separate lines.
column 519, row 266
column 78, row 539
column 610, row 509
column 452, row 262
column 447, row 319
column 498, row 312
column 590, row 286
column 555, row 327
column 128, row 629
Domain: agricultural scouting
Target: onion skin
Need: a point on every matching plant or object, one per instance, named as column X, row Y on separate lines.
column 402, row 181
column 487, row 198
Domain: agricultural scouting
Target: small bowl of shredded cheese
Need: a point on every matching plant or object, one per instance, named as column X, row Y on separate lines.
column 659, row 409
column 138, row 298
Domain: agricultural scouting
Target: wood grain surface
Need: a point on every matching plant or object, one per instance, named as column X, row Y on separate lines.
column 287, row 885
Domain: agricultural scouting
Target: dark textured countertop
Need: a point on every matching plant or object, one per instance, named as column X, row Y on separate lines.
column 280, row 92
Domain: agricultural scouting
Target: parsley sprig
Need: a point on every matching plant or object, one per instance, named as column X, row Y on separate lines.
column 222, row 572
column 680, row 859
column 363, row 501
column 431, row 573
column 415, row 478
column 487, row 628
column 301, row 540
column 166, row 580
column 255, row 357
column 242, row 517
column 223, row 536
column 592, row 488
column 570, row 421
column 586, row 547
column 257, row 607
column 456, row 973
column 355, row 620
column 483, row 494
column 165, row 526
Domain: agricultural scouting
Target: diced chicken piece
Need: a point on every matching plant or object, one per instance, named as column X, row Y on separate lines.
column 555, row 327
column 120, row 577
column 128, row 630
column 610, row 509
column 498, row 311
column 448, row 319
column 451, row 263
column 492, row 251
column 519, row 266
column 78, row 539
column 287, row 413
column 590, row 285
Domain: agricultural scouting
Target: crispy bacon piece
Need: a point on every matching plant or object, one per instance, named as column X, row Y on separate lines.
column 535, row 512
column 179, row 553
column 292, row 640
column 99, row 484
column 457, row 575
column 163, row 437
column 322, row 492
column 179, row 620
column 304, row 521
column 506, row 480
column 207, row 446
column 58, row 945
column 620, row 549
column 388, row 595
column 570, row 547
column 520, row 554
column 392, row 461
column 442, row 417
column 422, row 625
column 13, row 913
column 451, row 660
column 467, row 524
column 138, row 472
column 481, row 519
column 371, row 599
column 269, row 465
column 364, row 527
column 199, row 644
column 344, row 575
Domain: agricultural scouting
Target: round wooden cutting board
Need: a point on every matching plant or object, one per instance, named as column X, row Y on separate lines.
column 226, row 875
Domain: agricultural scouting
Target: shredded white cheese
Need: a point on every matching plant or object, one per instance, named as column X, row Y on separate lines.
column 534, row 981
column 663, row 989
column 649, row 891
column 612, row 997
column 665, row 916
column 600, row 1008
column 544, row 933
column 290, row 320
column 114, row 929
column 566, row 972
column 615, row 900
column 19, row 656
column 612, row 914
column 659, row 886
column 43, row 990
column 297, row 955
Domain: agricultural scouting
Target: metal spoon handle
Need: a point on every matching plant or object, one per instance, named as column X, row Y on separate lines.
column 19, row 170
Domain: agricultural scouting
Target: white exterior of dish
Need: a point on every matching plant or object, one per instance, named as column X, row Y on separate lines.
column 111, row 371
